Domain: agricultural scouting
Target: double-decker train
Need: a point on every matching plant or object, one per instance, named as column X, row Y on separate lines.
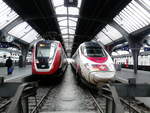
column 49, row 58
column 93, row 64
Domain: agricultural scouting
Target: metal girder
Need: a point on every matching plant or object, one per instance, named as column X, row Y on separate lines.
column 24, row 52
column 7, row 28
column 134, row 44
column 104, row 21
column 120, row 29
column 67, row 34
column 143, row 32
column 67, row 19
column 67, row 28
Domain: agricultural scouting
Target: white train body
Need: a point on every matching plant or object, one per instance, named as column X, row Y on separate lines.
column 93, row 63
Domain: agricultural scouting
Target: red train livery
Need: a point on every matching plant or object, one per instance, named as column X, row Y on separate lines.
column 48, row 58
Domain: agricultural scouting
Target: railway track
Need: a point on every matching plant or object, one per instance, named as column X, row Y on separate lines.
column 130, row 105
column 35, row 103
column 100, row 106
column 4, row 102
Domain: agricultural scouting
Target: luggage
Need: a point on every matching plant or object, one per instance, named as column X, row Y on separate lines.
column 10, row 70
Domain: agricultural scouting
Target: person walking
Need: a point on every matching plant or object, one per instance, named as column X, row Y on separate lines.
column 9, row 64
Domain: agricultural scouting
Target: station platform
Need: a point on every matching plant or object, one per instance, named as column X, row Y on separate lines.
column 17, row 73
column 125, row 74
column 141, row 77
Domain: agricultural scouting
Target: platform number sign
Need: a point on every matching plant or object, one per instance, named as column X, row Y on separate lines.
column 70, row 3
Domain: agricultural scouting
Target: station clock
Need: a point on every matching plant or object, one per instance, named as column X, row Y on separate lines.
column 9, row 38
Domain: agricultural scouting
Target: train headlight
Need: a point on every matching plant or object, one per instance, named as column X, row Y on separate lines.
column 97, row 67
column 50, row 61
column 36, row 61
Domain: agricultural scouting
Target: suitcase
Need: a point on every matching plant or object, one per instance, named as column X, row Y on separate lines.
column 10, row 70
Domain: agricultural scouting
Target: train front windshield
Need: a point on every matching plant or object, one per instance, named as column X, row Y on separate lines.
column 91, row 51
column 45, row 50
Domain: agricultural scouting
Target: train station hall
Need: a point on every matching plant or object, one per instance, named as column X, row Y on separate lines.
column 74, row 56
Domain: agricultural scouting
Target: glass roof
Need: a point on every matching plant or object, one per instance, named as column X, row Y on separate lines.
column 32, row 35
column 67, row 24
column 108, row 35
column 24, row 32
column 7, row 15
column 20, row 30
column 134, row 16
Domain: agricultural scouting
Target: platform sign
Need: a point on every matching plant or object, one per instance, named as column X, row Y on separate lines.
column 146, row 49
column 4, row 45
column 70, row 3
column 126, row 48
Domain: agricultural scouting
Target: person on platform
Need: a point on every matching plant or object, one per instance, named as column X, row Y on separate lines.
column 9, row 64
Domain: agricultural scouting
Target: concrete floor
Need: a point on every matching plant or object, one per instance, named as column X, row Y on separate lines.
column 141, row 77
column 17, row 72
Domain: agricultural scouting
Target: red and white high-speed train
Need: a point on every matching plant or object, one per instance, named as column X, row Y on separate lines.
column 49, row 58
column 93, row 64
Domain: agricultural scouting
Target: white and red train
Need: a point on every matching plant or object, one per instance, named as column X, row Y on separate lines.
column 49, row 58
column 93, row 64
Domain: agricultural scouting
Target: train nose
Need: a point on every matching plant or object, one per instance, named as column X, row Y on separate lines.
column 101, row 77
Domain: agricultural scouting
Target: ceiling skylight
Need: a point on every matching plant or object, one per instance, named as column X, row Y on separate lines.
column 67, row 23
column 24, row 32
column 20, row 30
column 134, row 16
column 61, row 10
column 7, row 15
column 31, row 36
column 108, row 35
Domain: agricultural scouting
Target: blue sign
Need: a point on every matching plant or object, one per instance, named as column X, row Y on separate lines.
column 146, row 49
column 126, row 48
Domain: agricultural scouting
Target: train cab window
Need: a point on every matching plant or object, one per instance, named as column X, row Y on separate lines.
column 91, row 51
column 46, row 50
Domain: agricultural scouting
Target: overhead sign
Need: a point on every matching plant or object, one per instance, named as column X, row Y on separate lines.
column 70, row 3
column 146, row 49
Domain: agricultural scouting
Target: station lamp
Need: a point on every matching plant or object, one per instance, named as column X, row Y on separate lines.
column 70, row 3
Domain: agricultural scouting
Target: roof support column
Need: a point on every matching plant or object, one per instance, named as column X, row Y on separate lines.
column 22, row 58
column 135, row 46
column 135, row 43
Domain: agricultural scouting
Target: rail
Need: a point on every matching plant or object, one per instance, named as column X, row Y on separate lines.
column 115, row 94
column 42, row 100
